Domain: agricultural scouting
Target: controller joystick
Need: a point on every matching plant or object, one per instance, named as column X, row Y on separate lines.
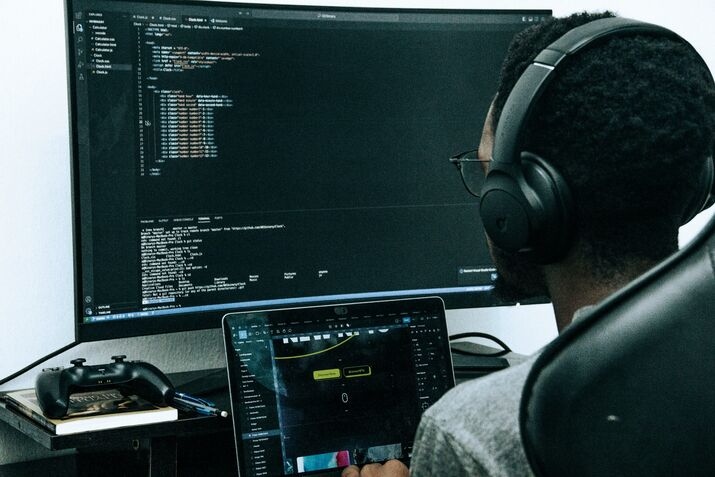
column 53, row 386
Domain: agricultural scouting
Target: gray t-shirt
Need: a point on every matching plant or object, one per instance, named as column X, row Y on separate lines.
column 474, row 429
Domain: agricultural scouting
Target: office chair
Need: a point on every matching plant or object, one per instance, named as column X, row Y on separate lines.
column 629, row 390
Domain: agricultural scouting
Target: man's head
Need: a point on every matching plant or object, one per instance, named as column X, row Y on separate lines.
column 628, row 124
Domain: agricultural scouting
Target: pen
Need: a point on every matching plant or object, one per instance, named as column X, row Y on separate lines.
column 190, row 398
column 187, row 402
column 210, row 411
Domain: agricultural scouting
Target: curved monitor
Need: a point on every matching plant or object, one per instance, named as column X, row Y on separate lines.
column 233, row 156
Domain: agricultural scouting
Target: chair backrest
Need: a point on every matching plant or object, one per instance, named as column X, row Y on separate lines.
column 630, row 389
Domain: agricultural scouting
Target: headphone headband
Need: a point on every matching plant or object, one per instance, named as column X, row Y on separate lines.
column 528, row 89
column 526, row 205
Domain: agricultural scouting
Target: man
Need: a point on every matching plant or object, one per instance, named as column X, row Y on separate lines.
column 629, row 124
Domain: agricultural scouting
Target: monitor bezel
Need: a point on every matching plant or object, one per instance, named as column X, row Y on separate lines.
column 193, row 321
column 433, row 305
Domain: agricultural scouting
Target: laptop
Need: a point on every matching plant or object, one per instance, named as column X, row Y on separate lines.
column 318, row 388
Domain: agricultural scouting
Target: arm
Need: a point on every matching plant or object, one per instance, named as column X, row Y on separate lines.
column 437, row 453
column 391, row 468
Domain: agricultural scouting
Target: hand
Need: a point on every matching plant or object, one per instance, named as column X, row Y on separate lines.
column 391, row 468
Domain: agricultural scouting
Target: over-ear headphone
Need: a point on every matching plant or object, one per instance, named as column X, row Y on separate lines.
column 526, row 205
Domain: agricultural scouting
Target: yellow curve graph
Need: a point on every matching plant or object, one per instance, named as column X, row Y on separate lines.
column 315, row 352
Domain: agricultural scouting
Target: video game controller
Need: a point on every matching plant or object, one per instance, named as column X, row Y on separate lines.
column 53, row 386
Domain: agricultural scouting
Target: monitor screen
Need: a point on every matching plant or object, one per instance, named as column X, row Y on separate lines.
column 232, row 156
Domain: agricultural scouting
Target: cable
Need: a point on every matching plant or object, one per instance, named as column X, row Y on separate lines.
column 475, row 334
column 38, row 362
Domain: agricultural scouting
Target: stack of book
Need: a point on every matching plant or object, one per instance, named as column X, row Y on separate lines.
column 92, row 411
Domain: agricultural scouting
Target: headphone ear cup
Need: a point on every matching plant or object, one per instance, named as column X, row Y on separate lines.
column 505, row 212
column 528, row 210
column 704, row 194
column 553, row 210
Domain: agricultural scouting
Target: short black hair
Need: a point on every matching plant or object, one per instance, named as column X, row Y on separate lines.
column 629, row 124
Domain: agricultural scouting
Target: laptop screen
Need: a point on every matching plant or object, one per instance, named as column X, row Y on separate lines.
column 323, row 387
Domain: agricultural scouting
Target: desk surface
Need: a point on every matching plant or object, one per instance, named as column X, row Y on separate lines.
column 201, row 445
column 191, row 445
column 186, row 425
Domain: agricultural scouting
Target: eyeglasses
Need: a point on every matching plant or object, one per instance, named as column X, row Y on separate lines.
column 472, row 170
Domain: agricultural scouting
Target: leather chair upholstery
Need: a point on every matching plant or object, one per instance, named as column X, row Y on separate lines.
column 629, row 389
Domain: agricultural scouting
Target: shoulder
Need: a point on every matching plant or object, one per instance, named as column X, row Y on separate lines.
column 479, row 422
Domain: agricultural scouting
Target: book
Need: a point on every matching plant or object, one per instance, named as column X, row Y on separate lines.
column 92, row 411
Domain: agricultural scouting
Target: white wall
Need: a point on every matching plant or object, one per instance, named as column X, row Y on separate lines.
column 36, row 292
column 35, row 242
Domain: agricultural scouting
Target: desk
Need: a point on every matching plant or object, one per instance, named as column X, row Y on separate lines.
column 192, row 443
column 190, row 446
column 154, row 449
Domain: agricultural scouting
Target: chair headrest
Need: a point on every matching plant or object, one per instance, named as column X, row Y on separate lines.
column 630, row 388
